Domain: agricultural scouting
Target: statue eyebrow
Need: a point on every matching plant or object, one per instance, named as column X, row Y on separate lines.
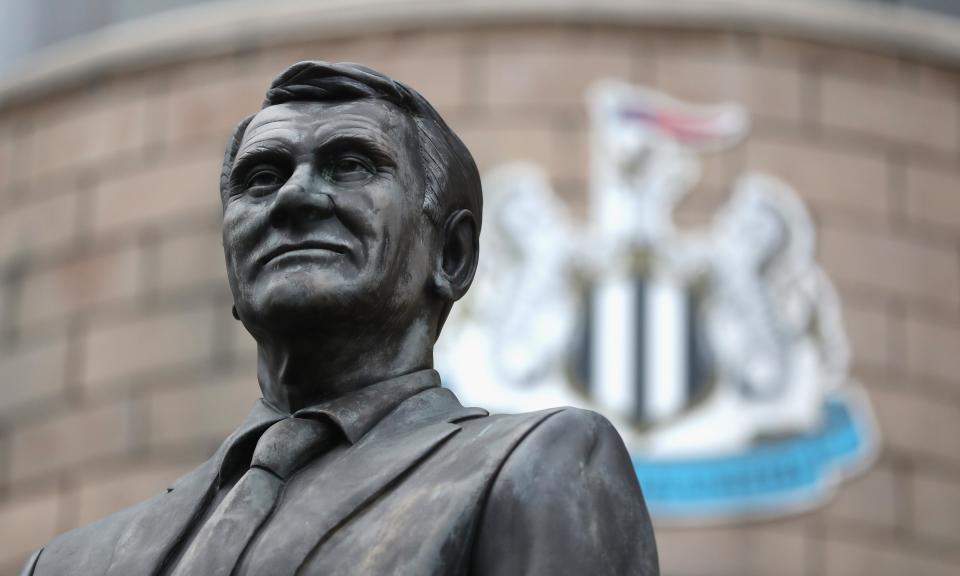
column 343, row 142
column 261, row 151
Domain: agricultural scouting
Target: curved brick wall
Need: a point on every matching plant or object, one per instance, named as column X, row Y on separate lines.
column 121, row 367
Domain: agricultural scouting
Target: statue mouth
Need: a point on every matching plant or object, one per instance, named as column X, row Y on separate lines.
column 305, row 249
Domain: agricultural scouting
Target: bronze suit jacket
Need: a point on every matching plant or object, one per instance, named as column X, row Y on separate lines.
column 432, row 489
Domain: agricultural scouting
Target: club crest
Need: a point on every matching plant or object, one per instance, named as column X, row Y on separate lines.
column 719, row 353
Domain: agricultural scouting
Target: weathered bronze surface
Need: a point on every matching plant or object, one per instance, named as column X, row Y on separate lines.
column 351, row 216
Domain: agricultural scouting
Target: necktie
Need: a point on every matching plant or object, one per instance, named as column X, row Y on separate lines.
column 281, row 451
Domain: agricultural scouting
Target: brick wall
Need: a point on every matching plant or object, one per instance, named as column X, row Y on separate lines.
column 121, row 367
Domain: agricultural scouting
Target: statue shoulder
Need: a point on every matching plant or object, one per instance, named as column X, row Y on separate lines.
column 571, row 435
column 554, row 434
column 86, row 549
column 567, row 500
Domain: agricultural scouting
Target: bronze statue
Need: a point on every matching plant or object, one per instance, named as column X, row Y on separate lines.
column 351, row 216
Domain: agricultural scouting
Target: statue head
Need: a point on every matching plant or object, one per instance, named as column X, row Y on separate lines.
column 349, row 208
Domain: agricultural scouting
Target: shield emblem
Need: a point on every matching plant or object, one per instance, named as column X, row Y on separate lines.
column 718, row 353
column 640, row 347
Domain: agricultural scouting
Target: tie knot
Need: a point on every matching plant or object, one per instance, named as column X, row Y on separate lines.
column 291, row 443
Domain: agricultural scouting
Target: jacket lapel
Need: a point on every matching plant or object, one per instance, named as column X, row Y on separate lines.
column 345, row 486
column 154, row 533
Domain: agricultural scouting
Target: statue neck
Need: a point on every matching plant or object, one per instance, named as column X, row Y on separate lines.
column 297, row 372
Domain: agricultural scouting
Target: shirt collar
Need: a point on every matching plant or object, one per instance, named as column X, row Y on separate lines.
column 356, row 413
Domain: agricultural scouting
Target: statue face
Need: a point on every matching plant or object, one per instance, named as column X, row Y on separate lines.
column 323, row 221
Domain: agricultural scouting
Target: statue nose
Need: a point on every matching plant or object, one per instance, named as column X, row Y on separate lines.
column 301, row 200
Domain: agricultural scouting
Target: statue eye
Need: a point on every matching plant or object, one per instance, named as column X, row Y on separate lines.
column 351, row 169
column 264, row 178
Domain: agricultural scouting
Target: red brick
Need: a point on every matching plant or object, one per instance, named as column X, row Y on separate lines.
column 694, row 44
column 718, row 170
column 369, row 50
column 902, row 266
column 833, row 58
column 191, row 260
column 869, row 330
column 115, row 353
column 243, row 346
column 32, row 374
column 892, row 113
column 26, row 525
column 731, row 551
column 205, row 108
column 933, row 350
column 534, row 80
column 180, row 187
column 564, row 154
column 933, row 196
column 88, row 130
column 7, row 143
column 59, row 129
column 931, row 78
column 79, row 285
column 39, row 226
column 104, row 492
column 203, row 411
column 845, row 558
column 492, row 146
column 936, row 506
column 70, row 439
column 429, row 62
column 869, row 499
column 120, row 124
column 916, row 426
column 765, row 91
column 698, row 209
column 440, row 77
column 824, row 176
column 542, row 38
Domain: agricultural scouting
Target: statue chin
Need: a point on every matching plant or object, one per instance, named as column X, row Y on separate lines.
column 317, row 307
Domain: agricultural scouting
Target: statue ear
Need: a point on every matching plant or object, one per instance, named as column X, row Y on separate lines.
column 456, row 261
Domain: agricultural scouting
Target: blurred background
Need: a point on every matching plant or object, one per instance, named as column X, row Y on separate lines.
column 121, row 367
